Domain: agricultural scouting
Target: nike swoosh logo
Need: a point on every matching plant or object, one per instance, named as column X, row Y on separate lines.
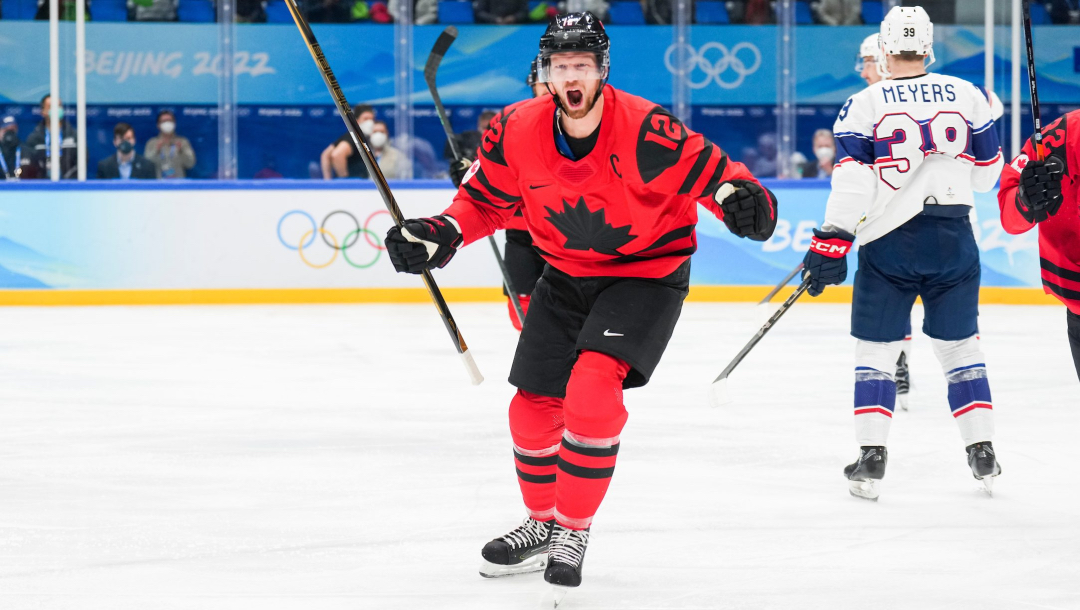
column 534, row 187
column 608, row 333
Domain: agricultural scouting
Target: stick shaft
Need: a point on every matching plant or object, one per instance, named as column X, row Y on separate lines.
column 763, row 330
column 1036, row 115
column 780, row 286
column 373, row 168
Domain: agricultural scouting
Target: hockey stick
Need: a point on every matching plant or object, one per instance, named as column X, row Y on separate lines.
column 718, row 394
column 376, row 174
column 1036, row 137
column 431, row 69
column 780, row 286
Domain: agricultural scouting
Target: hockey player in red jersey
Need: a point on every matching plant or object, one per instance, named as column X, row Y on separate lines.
column 1047, row 193
column 523, row 263
column 609, row 185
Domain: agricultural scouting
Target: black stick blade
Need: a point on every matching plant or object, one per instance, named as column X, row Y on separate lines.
column 441, row 46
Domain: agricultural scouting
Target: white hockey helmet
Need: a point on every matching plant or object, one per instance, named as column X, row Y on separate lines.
column 871, row 47
column 908, row 28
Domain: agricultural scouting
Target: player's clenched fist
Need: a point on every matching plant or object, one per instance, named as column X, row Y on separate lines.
column 1039, row 195
column 423, row 243
column 749, row 209
column 826, row 261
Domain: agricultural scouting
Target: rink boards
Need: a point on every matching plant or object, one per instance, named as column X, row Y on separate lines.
column 304, row 242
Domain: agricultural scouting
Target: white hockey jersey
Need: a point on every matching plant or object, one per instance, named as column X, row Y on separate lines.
column 907, row 142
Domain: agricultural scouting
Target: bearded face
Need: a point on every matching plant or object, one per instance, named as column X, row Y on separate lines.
column 575, row 79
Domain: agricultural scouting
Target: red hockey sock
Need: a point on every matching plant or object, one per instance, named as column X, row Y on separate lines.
column 524, row 300
column 536, row 424
column 594, row 419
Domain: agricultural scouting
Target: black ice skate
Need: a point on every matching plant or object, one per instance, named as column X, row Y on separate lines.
column 903, row 381
column 984, row 464
column 864, row 474
column 565, row 558
column 522, row 550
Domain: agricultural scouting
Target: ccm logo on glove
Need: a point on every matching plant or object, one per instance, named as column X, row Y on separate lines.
column 833, row 248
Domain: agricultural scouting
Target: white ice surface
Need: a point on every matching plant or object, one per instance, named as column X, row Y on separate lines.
column 318, row 457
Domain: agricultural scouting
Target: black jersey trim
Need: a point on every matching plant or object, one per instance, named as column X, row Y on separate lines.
column 507, row 197
column 698, row 167
column 1065, row 274
column 582, row 472
column 611, row 451
column 539, row 479
column 1072, row 295
column 717, row 175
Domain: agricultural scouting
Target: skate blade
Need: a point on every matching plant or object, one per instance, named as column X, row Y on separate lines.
column 866, row 490
column 555, row 598
column 903, row 400
column 536, row 563
column 988, row 482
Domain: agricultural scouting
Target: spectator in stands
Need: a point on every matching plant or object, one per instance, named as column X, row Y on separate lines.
column 469, row 141
column 342, row 158
column 501, row 12
column 824, row 156
column 67, row 10
column 762, row 162
column 1064, row 12
column 392, row 162
column 10, row 149
column 38, row 146
column 153, row 10
column 330, row 11
column 425, row 12
column 751, row 12
column 250, row 11
column 657, row 12
column 838, row 12
column 126, row 164
column 172, row 154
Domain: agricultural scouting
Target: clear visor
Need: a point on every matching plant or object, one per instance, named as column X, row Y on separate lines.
column 569, row 67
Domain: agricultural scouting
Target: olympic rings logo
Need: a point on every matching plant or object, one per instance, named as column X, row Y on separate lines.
column 342, row 247
column 684, row 61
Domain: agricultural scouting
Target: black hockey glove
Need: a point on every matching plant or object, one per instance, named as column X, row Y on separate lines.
column 458, row 169
column 1039, row 196
column 423, row 243
column 826, row 261
column 749, row 210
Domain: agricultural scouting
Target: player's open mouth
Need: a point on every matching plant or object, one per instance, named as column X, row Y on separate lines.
column 574, row 97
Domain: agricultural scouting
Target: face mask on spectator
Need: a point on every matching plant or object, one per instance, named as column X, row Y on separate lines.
column 824, row 153
column 167, row 127
column 367, row 126
column 125, row 147
column 10, row 139
column 378, row 139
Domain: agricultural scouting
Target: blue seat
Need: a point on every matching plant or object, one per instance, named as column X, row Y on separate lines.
column 456, row 11
column 196, row 11
column 802, row 13
column 278, row 12
column 711, row 11
column 20, row 9
column 1039, row 14
column 109, row 10
column 873, row 11
column 626, row 13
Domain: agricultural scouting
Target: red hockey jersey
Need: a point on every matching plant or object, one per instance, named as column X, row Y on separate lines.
column 626, row 209
column 1059, row 236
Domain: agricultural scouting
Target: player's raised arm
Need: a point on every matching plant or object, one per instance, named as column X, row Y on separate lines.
column 726, row 188
column 485, row 201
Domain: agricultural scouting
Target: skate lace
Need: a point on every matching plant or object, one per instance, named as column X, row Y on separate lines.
column 529, row 533
column 568, row 546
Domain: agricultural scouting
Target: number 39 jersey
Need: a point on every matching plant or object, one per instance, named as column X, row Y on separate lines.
column 908, row 142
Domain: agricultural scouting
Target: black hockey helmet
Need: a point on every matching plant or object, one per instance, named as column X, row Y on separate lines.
column 531, row 79
column 575, row 32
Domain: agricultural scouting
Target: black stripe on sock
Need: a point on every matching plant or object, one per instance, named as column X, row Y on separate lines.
column 529, row 460
column 535, row 478
column 585, row 473
column 591, row 451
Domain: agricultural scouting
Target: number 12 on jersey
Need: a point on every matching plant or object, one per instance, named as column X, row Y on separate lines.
column 902, row 143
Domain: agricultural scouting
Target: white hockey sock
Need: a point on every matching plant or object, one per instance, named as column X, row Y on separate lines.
column 875, row 391
column 969, row 390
